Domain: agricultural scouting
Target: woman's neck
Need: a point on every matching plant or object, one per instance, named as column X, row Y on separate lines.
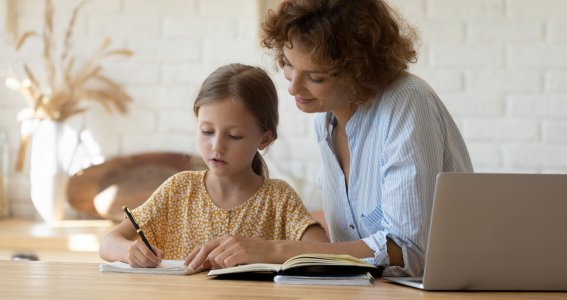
column 230, row 192
column 343, row 114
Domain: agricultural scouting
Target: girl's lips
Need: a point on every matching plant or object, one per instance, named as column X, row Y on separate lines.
column 217, row 162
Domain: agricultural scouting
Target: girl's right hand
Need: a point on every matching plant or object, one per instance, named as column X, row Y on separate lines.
column 229, row 251
column 140, row 256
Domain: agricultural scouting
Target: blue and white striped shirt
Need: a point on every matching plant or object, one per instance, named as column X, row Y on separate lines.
column 398, row 144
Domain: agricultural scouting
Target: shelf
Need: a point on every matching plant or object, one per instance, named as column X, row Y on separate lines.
column 73, row 240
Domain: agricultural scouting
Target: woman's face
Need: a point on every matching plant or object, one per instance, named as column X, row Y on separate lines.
column 314, row 89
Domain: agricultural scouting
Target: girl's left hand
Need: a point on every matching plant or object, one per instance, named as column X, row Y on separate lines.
column 228, row 251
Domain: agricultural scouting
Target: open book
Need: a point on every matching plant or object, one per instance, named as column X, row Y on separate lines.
column 307, row 265
column 167, row 267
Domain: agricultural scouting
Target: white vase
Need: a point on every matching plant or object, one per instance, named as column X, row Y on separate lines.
column 47, row 172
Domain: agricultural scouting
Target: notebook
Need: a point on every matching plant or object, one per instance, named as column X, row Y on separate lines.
column 496, row 232
column 364, row 279
column 167, row 267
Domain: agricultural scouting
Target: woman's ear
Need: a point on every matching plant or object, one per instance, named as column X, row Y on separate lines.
column 267, row 139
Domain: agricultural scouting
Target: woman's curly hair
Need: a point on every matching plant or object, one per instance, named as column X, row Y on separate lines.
column 363, row 41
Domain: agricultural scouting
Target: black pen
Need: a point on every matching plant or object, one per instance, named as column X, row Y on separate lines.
column 138, row 230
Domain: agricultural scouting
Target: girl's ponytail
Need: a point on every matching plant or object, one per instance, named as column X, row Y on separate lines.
column 259, row 165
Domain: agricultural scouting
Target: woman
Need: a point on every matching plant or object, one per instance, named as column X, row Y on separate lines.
column 383, row 133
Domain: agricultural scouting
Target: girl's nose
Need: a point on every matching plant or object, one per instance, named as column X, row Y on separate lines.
column 218, row 145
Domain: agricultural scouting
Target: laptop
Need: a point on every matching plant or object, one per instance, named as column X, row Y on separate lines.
column 496, row 232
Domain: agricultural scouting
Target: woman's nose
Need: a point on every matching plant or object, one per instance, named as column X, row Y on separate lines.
column 294, row 85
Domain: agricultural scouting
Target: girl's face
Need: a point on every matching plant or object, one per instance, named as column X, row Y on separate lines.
column 228, row 137
column 315, row 90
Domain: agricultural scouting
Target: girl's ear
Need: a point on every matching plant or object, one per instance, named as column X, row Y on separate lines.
column 267, row 139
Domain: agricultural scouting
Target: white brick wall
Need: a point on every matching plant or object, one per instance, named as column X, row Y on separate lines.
column 555, row 80
column 541, row 10
column 455, row 9
column 499, row 66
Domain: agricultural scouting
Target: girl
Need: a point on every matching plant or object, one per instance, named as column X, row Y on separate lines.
column 237, row 115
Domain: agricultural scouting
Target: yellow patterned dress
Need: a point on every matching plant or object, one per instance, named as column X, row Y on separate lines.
column 181, row 216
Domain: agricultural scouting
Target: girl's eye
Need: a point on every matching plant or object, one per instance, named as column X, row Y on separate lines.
column 234, row 137
column 207, row 132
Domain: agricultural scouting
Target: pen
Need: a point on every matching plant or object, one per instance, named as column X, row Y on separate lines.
column 138, row 230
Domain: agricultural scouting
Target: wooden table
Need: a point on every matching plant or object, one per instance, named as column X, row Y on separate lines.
column 71, row 280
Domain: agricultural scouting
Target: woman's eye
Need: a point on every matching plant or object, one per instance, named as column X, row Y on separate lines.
column 316, row 80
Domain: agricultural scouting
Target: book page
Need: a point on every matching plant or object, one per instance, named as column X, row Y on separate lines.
column 347, row 263
column 167, row 267
column 324, row 260
column 272, row 268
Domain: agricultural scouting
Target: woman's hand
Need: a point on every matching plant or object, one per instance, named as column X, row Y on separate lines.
column 231, row 250
column 140, row 256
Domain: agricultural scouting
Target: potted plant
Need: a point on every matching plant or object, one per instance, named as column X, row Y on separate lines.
column 69, row 82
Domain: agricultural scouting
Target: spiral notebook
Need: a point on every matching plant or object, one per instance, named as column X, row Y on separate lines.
column 167, row 267
column 364, row 279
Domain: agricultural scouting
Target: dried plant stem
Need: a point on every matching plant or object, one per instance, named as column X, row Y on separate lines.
column 70, row 82
column 69, row 33
column 48, row 43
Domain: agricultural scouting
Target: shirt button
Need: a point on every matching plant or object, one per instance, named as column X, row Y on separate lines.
column 351, row 226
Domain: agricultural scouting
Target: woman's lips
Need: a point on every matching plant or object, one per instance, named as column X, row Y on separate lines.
column 302, row 100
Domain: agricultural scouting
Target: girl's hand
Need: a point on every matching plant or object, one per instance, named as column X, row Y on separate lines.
column 205, row 265
column 228, row 251
column 140, row 256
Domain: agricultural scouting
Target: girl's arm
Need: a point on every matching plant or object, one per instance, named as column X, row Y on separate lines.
column 122, row 244
column 231, row 250
column 315, row 233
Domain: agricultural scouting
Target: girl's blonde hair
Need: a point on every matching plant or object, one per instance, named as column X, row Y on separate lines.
column 254, row 88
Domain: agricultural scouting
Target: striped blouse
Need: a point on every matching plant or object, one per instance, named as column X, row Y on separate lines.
column 398, row 144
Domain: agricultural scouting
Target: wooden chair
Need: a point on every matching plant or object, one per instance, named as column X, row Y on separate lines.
column 101, row 190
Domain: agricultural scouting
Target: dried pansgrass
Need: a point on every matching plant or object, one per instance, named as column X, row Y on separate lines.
column 68, row 82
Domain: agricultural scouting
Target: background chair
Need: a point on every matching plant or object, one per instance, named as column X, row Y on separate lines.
column 101, row 190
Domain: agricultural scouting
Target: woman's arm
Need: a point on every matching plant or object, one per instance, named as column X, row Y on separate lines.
column 316, row 233
column 284, row 250
column 121, row 244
